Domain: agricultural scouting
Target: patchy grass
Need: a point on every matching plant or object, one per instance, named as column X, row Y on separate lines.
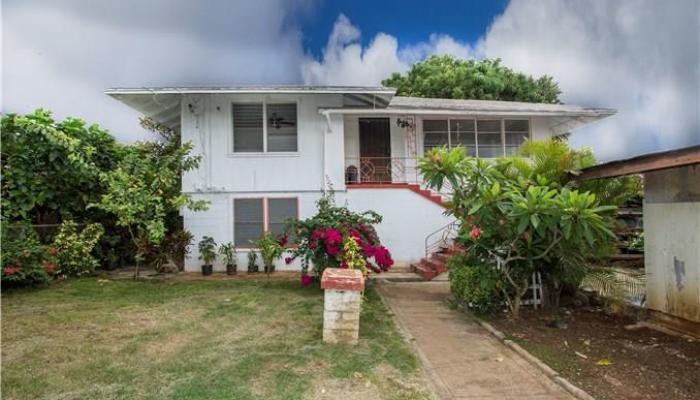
column 119, row 339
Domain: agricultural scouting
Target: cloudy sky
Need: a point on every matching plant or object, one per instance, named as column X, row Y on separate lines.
column 640, row 57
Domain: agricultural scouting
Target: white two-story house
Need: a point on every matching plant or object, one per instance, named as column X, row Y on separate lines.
column 269, row 152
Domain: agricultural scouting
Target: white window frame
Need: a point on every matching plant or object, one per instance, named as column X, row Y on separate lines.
column 476, row 129
column 265, row 152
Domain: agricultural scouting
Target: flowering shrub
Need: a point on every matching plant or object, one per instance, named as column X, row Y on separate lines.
column 519, row 222
column 25, row 261
column 75, row 248
column 338, row 238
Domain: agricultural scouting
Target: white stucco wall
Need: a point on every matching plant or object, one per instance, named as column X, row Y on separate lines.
column 672, row 241
column 407, row 219
column 322, row 148
column 208, row 125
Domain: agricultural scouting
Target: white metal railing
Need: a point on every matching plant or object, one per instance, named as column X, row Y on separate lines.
column 441, row 238
column 382, row 170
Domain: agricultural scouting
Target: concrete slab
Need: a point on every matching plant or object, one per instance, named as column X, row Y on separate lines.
column 460, row 357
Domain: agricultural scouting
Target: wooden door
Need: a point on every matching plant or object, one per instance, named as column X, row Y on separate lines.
column 375, row 150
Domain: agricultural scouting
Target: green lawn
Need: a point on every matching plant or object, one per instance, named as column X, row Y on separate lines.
column 116, row 339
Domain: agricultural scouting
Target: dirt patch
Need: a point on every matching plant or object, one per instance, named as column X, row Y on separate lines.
column 597, row 353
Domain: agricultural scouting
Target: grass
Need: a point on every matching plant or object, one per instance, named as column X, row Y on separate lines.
column 115, row 339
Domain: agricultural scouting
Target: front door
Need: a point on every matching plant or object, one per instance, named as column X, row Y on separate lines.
column 375, row 150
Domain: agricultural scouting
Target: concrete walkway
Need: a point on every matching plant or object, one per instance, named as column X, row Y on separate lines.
column 461, row 358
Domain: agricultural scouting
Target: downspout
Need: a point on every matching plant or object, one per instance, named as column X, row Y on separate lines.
column 327, row 132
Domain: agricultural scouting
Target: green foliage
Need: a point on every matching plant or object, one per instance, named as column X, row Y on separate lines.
column 269, row 247
column 207, row 250
column 177, row 246
column 252, row 260
column 352, row 255
column 523, row 221
column 451, row 78
column 75, row 248
column 475, row 283
column 145, row 187
column 51, row 169
column 616, row 285
column 25, row 261
column 228, row 251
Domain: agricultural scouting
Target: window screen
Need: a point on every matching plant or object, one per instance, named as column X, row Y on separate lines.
column 489, row 138
column 462, row 134
column 517, row 131
column 278, row 212
column 247, row 221
column 282, row 127
column 435, row 134
column 247, row 128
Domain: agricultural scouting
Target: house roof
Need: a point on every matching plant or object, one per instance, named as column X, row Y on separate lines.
column 163, row 103
column 643, row 163
column 378, row 90
column 432, row 106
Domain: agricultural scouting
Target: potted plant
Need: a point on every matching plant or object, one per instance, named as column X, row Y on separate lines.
column 228, row 251
column 270, row 250
column 252, row 262
column 207, row 253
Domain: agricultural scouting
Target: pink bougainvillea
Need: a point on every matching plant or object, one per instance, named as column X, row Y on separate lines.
column 306, row 280
column 322, row 241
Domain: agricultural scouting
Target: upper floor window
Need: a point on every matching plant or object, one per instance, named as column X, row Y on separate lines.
column 263, row 127
column 486, row 138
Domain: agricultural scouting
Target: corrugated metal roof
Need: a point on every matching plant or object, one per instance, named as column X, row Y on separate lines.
column 643, row 163
column 491, row 106
column 254, row 89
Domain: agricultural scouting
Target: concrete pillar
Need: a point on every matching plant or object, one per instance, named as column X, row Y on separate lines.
column 341, row 310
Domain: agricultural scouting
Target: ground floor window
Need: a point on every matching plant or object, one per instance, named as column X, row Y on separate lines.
column 480, row 137
column 253, row 216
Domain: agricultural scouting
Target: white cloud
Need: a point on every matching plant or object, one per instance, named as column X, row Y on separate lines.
column 345, row 62
column 640, row 57
column 62, row 55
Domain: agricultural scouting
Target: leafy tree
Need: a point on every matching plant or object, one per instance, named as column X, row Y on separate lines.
column 522, row 215
column 51, row 169
column 452, row 78
column 144, row 188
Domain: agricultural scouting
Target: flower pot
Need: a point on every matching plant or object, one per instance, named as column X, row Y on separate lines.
column 207, row 269
column 269, row 269
column 253, row 270
column 231, row 269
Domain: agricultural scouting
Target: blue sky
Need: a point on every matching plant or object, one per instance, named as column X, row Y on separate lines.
column 410, row 20
column 640, row 57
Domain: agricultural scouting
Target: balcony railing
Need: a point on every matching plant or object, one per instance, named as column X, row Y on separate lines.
column 381, row 170
column 385, row 170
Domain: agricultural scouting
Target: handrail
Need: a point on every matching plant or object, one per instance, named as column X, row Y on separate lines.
column 446, row 236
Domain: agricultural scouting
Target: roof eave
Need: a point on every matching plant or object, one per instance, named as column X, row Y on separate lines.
column 599, row 113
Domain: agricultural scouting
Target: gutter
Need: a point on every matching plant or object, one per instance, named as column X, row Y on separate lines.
column 403, row 111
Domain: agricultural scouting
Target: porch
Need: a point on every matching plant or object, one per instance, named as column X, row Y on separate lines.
column 385, row 149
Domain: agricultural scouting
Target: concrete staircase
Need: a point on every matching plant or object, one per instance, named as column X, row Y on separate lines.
column 435, row 264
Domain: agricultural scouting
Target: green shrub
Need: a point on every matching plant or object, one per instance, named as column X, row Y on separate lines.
column 25, row 261
column 75, row 248
column 476, row 284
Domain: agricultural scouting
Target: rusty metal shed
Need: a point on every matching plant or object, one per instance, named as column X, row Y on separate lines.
column 671, row 232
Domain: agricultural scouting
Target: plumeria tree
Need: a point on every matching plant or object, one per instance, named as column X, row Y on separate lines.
column 337, row 238
column 518, row 223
